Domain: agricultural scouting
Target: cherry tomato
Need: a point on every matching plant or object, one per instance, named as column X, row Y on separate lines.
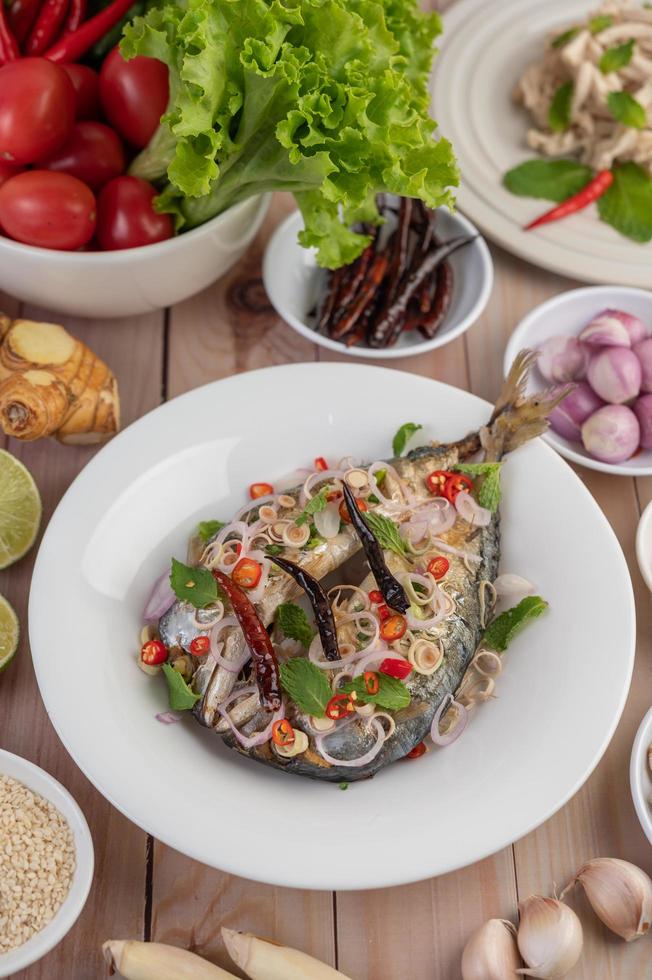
column 134, row 95
column 37, row 109
column 283, row 733
column 153, row 653
column 417, row 751
column 375, row 596
column 257, row 490
column 393, row 628
column 8, row 170
column 200, row 646
column 321, row 464
column 436, row 481
column 93, row 153
column 400, row 669
column 86, row 84
column 344, row 510
column 438, row 567
column 339, row 706
column 455, row 483
column 247, row 573
column 126, row 217
column 51, row 210
column 371, row 682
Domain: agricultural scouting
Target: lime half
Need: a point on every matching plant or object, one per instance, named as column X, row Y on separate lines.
column 9, row 633
column 20, row 509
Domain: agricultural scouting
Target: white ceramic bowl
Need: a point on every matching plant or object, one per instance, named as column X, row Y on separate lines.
column 292, row 280
column 644, row 545
column 46, row 786
column 134, row 280
column 567, row 313
column 640, row 779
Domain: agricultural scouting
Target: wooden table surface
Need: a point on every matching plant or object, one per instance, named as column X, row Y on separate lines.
column 143, row 889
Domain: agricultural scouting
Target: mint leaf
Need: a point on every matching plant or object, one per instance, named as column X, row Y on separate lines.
column 386, row 533
column 559, row 113
column 564, row 38
column 293, row 623
column 600, row 23
column 194, row 585
column 403, row 436
column 552, row 180
column 208, row 529
column 314, row 505
column 615, row 58
column 274, row 549
column 181, row 697
column 627, row 204
column 488, row 493
column 625, row 108
column 306, row 685
column 504, row 628
column 392, row 693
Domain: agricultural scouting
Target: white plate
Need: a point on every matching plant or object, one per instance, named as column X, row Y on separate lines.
column 644, row 545
column 568, row 313
column 133, row 506
column 291, row 278
column 484, row 51
column 640, row 779
column 41, row 782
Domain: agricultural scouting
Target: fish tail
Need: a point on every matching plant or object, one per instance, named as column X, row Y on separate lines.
column 516, row 418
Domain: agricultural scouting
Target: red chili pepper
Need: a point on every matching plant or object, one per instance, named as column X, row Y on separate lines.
column 200, row 646
column 436, row 481
column 22, row 14
column 344, row 510
column 383, row 612
column 257, row 637
column 417, row 751
column 438, row 567
column 339, row 706
column 371, row 682
column 455, row 484
column 9, row 49
column 72, row 46
column 257, row 490
column 400, row 669
column 247, row 573
column 283, row 733
column 321, row 464
column 76, row 15
column 376, row 597
column 153, row 653
column 47, row 27
column 593, row 190
column 393, row 628
column 238, row 548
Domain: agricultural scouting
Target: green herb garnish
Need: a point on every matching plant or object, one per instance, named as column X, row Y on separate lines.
column 627, row 110
column 306, row 685
column 314, row 506
column 615, row 58
column 564, row 38
column 488, row 493
column 194, row 585
column 344, row 786
column 293, row 623
column 274, row 549
column 386, row 533
column 559, row 113
column 505, row 627
column 208, row 529
column 380, row 476
column 392, row 694
column 403, row 436
column 627, row 204
column 552, row 180
column 600, row 23
column 180, row 695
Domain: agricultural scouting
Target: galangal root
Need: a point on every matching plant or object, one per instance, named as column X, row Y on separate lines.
column 52, row 384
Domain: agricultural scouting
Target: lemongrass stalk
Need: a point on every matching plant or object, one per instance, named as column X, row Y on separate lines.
column 264, row 960
column 155, row 961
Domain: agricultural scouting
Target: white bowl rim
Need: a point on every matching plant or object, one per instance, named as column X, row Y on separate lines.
column 636, row 764
column 45, row 785
column 58, row 255
column 645, row 567
column 389, row 353
column 514, row 344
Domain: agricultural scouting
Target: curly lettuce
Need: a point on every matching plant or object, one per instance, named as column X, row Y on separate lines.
column 327, row 99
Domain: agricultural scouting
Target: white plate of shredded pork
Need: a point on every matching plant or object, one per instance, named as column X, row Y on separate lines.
column 312, row 604
column 566, row 88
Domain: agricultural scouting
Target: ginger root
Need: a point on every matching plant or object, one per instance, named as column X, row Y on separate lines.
column 52, row 384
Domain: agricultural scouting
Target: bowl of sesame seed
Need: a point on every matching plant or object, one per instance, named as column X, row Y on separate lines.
column 46, row 863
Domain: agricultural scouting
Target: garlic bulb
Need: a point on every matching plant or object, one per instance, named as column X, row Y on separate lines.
column 549, row 937
column 620, row 895
column 491, row 953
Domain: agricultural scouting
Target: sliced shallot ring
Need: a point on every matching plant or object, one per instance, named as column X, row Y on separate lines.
column 466, row 555
column 319, row 476
column 509, row 584
column 253, row 505
column 354, row 588
column 361, row 760
column 216, row 613
column 462, row 719
column 392, row 723
column 470, row 510
column 249, row 741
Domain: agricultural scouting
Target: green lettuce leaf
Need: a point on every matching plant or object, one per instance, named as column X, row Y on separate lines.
column 327, row 99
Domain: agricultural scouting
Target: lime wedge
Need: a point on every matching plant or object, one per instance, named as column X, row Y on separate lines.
column 20, row 509
column 9, row 633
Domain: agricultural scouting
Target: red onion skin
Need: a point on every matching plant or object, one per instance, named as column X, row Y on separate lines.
column 606, row 330
column 562, row 359
column 636, row 329
column 160, row 599
column 644, row 353
column 611, row 434
column 643, row 412
column 615, row 374
column 567, row 418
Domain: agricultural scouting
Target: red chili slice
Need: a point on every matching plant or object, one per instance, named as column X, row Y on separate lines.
column 283, row 732
column 153, row 653
column 344, row 510
column 257, row 490
column 371, row 682
column 200, row 646
column 436, row 481
column 438, row 567
column 376, row 597
column 400, row 669
column 383, row 612
column 321, row 464
column 455, row 484
column 393, row 628
column 417, row 751
column 339, row 706
column 247, row 573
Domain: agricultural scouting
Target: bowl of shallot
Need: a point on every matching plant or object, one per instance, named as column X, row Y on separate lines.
column 596, row 342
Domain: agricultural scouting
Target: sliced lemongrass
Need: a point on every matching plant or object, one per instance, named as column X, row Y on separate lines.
column 134, row 960
column 148, row 633
column 475, row 690
column 263, row 960
column 285, row 501
column 268, row 514
column 336, row 592
column 426, row 656
column 482, row 588
column 487, row 663
column 298, row 746
column 277, row 530
column 296, row 537
column 365, row 710
column 426, row 582
column 322, row 724
column 451, row 727
column 150, row 669
column 356, row 478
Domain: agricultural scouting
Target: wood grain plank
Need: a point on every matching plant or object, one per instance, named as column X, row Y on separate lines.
column 134, row 349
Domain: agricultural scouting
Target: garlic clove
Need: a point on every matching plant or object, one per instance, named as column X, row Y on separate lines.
column 491, row 953
column 549, row 938
column 620, row 894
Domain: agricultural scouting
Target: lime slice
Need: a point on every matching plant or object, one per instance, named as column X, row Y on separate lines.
column 9, row 633
column 20, row 509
